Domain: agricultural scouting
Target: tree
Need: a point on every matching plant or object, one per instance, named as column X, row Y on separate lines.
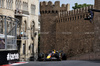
column 80, row 5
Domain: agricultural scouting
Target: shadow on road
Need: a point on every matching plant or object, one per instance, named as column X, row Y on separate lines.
column 94, row 61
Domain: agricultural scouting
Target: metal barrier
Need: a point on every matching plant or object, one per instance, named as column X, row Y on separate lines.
column 8, row 32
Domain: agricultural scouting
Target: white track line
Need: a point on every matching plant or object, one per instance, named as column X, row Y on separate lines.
column 19, row 63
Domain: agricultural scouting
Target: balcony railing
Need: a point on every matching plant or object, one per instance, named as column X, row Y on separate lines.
column 22, row 37
column 21, row 12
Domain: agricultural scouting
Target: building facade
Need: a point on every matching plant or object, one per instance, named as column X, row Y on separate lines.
column 27, row 32
column 64, row 29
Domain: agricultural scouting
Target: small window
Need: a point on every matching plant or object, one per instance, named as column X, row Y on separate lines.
column 33, row 8
column 52, row 11
column 66, row 19
column 9, row 4
column 75, row 17
column 30, row 47
column 45, row 11
column 78, row 17
column 56, row 11
column 48, row 11
column 23, row 48
column 87, row 15
column 61, row 20
column 70, row 18
column 83, row 16
column 56, row 20
column 25, row 7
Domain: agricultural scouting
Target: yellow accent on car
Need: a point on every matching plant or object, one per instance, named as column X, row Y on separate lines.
column 54, row 51
column 48, row 57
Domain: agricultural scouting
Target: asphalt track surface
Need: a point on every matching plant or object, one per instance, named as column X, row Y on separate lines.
column 62, row 63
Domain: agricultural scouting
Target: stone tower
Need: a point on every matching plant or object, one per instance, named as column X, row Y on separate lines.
column 49, row 12
column 97, row 26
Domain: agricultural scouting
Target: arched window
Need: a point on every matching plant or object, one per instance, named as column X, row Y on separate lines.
column 32, row 29
column 48, row 11
column 61, row 20
column 83, row 16
column 24, row 45
column 75, row 17
column 45, row 11
column 80, row 16
column 87, row 15
column 56, row 11
column 52, row 11
column 70, row 18
column 66, row 19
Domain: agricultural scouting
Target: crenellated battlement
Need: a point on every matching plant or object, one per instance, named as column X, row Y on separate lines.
column 74, row 12
column 63, row 5
column 45, row 3
column 49, row 7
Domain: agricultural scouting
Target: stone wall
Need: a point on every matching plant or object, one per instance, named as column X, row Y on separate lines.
column 66, row 30
column 74, row 35
column 49, row 13
column 87, row 56
column 97, row 26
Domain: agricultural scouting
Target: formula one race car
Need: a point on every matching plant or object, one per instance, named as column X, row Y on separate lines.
column 53, row 55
